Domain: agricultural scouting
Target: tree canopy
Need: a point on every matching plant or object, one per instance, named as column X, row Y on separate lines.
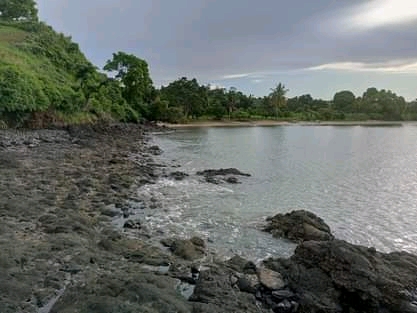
column 18, row 9
column 136, row 83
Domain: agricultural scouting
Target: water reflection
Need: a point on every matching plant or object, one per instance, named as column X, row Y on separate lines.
column 361, row 180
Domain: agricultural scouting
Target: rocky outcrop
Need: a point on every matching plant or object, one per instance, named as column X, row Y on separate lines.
column 335, row 277
column 217, row 176
column 178, row 175
column 239, row 286
column 299, row 226
column 222, row 172
column 191, row 249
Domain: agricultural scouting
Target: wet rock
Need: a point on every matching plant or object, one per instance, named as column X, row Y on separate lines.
column 284, row 306
column 212, row 180
column 198, row 242
column 270, row 279
column 299, row 226
column 241, row 265
column 178, row 175
column 280, row 295
column 227, row 175
column 155, row 150
column 132, row 224
column 335, row 276
column 222, row 172
column 248, row 283
column 232, row 180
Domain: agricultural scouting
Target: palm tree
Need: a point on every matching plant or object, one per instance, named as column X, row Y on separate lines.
column 277, row 97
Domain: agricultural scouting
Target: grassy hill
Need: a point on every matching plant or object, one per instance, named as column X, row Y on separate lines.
column 45, row 77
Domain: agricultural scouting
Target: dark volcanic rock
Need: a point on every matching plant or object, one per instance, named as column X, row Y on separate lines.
column 222, row 172
column 299, row 226
column 241, row 265
column 132, row 224
column 111, row 293
column 155, row 150
column 178, row 175
column 232, row 180
column 227, row 175
column 335, row 276
column 191, row 249
column 215, row 293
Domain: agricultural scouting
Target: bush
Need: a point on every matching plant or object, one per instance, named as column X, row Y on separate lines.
column 20, row 91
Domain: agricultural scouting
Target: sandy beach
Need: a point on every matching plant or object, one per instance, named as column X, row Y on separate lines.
column 258, row 123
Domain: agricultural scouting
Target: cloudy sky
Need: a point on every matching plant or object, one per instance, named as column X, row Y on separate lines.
column 312, row 46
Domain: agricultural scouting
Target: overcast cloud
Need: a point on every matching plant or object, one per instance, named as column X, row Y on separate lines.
column 315, row 47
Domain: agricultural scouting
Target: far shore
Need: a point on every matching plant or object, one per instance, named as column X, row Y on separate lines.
column 258, row 123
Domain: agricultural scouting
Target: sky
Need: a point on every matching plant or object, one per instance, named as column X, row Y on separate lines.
column 317, row 47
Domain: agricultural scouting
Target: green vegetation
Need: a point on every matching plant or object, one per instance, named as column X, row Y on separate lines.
column 187, row 96
column 44, row 78
column 18, row 9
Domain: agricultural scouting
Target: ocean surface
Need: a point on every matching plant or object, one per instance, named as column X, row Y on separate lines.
column 361, row 180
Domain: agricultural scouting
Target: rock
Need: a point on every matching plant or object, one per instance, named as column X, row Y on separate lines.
column 155, row 150
column 299, row 226
column 280, row 295
column 198, row 242
column 248, row 283
column 212, row 180
column 187, row 249
column 282, row 307
column 146, row 254
column 222, row 172
column 241, row 265
column 130, row 292
column 178, row 175
column 215, row 293
column 132, row 224
column 7, row 160
column 232, row 180
column 210, row 175
column 336, row 276
column 110, row 211
column 270, row 279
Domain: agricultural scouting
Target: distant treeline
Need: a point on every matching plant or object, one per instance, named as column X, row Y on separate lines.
column 45, row 78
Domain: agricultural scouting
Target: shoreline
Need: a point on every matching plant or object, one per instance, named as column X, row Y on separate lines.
column 60, row 243
column 266, row 123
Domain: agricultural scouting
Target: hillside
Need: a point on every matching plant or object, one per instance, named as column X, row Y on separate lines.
column 44, row 71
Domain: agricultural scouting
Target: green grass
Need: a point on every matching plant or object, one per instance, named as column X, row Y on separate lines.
column 11, row 35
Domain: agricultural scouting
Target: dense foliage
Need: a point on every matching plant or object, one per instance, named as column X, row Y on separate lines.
column 189, row 100
column 42, row 71
column 18, row 9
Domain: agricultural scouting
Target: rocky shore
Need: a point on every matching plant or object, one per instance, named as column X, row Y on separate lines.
column 62, row 189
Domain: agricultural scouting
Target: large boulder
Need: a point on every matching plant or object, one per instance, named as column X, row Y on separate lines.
column 299, row 226
column 335, row 276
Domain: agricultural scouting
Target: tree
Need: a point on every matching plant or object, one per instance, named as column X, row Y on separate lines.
column 277, row 97
column 186, row 94
column 17, row 9
column 136, row 83
column 343, row 101
column 231, row 104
